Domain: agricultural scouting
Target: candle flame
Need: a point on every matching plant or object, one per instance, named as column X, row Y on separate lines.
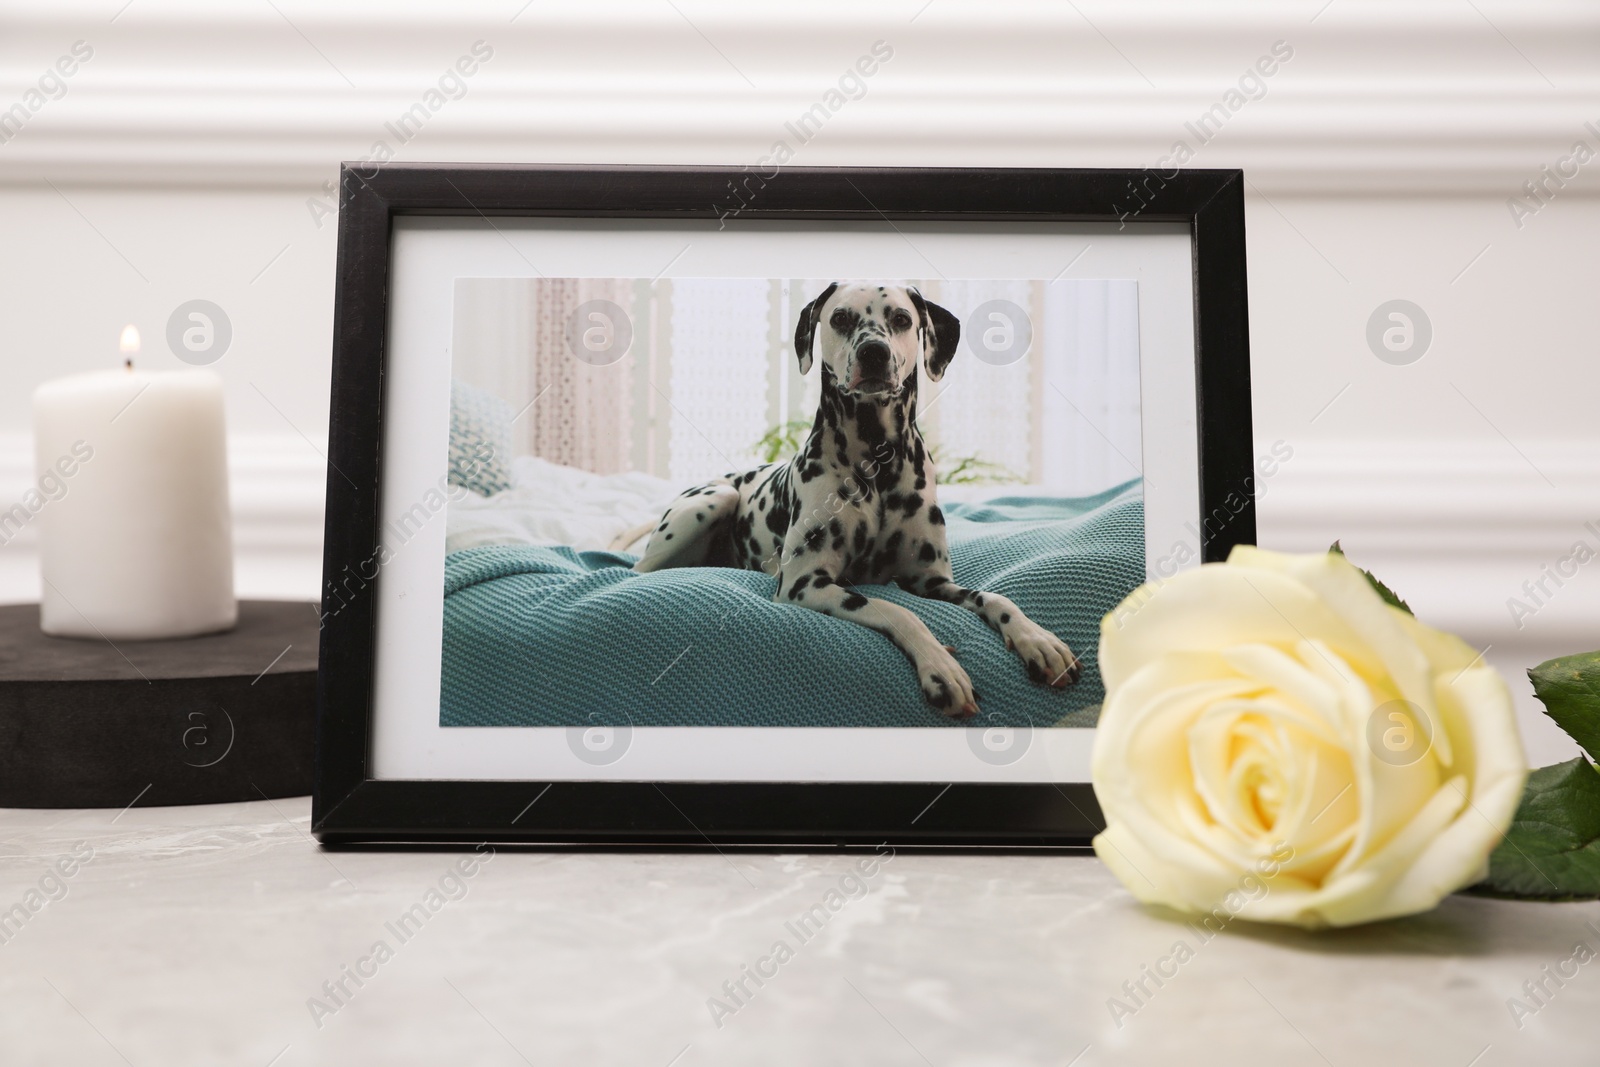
column 130, row 340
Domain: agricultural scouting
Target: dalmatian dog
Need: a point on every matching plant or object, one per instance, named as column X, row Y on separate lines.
column 857, row 504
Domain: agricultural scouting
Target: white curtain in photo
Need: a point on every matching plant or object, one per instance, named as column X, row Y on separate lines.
column 719, row 367
column 510, row 338
column 980, row 409
column 490, row 336
column 582, row 417
column 1090, row 427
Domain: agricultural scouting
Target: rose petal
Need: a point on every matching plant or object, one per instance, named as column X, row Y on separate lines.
column 1490, row 757
column 1343, row 589
column 1275, row 668
column 1240, row 606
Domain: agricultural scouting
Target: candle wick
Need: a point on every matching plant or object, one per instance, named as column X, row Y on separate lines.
column 128, row 363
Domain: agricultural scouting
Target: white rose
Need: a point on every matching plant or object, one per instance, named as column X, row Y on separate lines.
column 1280, row 744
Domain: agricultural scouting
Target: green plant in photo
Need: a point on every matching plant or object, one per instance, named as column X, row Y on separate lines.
column 784, row 440
column 971, row 470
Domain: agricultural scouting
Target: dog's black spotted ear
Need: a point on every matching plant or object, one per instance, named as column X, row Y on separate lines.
column 941, row 332
column 805, row 331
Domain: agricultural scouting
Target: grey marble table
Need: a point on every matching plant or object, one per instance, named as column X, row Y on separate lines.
column 223, row 935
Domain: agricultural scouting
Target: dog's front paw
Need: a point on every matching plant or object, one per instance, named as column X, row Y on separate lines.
column 1048, row 659
column 946, row 685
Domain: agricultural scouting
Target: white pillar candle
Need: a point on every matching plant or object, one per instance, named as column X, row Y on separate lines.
column 139, row 542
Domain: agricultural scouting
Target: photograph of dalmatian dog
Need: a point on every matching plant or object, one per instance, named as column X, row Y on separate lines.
column 788, row 502
column 858, row 504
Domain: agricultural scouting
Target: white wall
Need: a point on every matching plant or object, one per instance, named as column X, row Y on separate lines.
column 182, row 157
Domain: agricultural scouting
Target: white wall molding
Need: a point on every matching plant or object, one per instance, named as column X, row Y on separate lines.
column 277, row 486
column 1456, row 526
column 1448, row 101
column 1440, row 496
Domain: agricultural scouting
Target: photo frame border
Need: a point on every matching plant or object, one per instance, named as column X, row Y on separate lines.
column 349, row 806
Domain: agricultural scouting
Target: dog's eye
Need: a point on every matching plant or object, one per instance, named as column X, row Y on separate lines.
column 840, row 319
column 900, row 320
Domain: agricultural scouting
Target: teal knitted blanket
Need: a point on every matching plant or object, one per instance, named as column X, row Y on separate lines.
column 556, row 637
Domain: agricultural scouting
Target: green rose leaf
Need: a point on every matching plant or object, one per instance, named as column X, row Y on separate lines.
column 1552, row 851
column 1570, row 690
column 1384, row 591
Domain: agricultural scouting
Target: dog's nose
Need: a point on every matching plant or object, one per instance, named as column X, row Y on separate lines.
column 873, row 356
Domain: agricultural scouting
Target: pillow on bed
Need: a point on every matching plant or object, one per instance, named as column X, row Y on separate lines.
column 552, row 504
column 480, row 439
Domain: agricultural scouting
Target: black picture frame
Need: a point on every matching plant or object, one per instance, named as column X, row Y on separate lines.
column 349, row 806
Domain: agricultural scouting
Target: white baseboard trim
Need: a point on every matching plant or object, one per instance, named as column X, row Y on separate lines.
column 277, row 486
column 1456, row 526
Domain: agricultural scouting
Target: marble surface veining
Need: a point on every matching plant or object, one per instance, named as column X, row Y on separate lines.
column 223, row 935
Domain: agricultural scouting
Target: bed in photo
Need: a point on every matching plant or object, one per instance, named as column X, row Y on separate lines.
column 868, row 503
